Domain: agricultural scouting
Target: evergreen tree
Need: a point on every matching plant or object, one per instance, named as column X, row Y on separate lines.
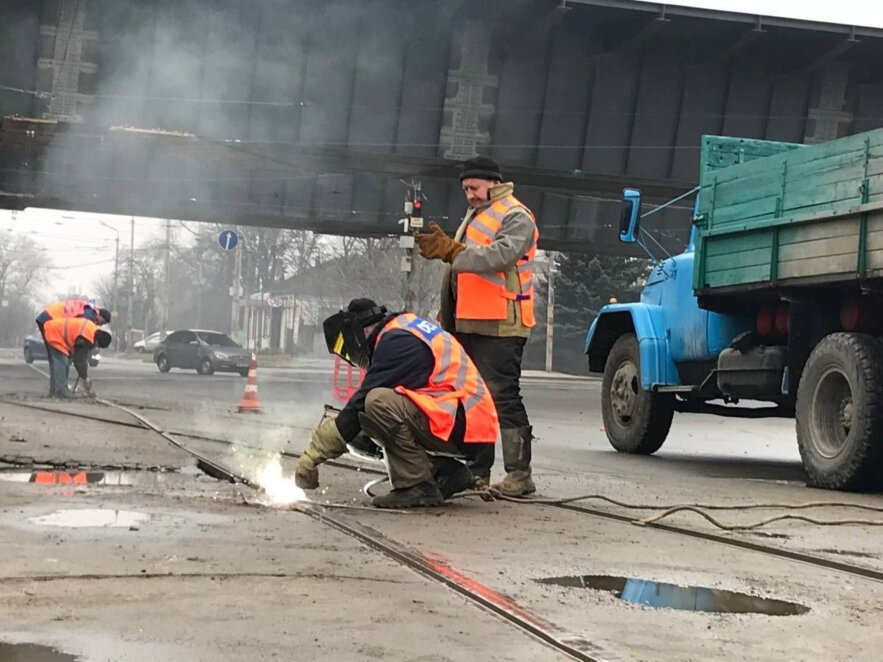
column 585, row 283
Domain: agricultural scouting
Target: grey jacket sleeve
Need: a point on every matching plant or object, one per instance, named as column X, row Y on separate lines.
column 512, row 241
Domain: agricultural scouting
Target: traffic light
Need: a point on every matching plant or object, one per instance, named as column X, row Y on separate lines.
column 417, row 215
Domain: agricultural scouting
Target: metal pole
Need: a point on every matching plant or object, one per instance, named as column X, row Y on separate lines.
column 131, row 286
column 116, row 271
column 412, row 223
column 550, row 310
column 166, row 284
column 199, row 295
column 234, row 291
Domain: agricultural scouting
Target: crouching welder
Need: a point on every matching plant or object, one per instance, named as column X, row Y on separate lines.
column 71, row 338
column 422, row 398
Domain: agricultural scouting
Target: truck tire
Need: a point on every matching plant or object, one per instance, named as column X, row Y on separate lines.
column 636, row 421
column 840, row 413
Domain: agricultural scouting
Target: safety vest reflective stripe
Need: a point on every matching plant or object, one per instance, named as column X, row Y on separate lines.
column 485, row 296
column 477, row 226
column 454, row 380
column 62, row 333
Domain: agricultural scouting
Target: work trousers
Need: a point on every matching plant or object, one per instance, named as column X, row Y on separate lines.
column 499, row 363
column 59, row 369
column 403, row 431
column 48, row 358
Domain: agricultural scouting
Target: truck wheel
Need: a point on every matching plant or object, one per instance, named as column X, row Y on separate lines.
column 636, row 421
column 840, row 413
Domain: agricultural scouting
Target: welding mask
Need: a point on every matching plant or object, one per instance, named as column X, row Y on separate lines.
column 345, row 331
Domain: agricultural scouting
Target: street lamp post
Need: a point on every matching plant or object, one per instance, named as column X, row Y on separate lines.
column 550, row 309
column 131, row 286
column 116, row 269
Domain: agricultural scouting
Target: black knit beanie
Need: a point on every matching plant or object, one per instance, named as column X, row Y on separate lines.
column 481, row 167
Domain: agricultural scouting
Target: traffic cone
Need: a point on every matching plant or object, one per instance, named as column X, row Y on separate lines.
column 250, row 402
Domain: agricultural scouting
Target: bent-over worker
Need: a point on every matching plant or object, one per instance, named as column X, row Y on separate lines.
column 74, row 308
column 71, row 338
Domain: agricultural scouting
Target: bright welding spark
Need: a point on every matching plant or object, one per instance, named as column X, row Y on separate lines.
column 280, row 489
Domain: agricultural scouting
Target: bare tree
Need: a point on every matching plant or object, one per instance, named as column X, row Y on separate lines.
column 23, row 270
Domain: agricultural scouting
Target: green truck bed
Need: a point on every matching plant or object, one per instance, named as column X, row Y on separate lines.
column 779, row 213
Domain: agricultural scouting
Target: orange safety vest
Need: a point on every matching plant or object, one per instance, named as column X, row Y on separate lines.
column 69, row 308
column 454, row 380
column 62, row 333
column 484, row 296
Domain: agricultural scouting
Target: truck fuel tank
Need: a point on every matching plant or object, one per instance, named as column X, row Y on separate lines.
column 753, row 374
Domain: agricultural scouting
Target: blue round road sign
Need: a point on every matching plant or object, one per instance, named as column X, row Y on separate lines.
column 228, row 240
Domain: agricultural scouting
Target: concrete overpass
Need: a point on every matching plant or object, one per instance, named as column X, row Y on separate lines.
column 308, row 113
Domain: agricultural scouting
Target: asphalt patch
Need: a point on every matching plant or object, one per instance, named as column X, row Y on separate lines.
column 32, row 653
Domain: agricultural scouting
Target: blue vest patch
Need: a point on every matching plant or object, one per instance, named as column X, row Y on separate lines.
column 425, row 328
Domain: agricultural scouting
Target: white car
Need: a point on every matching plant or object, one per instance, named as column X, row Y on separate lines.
column 149, row 343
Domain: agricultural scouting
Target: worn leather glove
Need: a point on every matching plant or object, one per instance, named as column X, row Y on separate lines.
column 437, row 245
column 306, row 475
column 481, row 486
column 325, row 444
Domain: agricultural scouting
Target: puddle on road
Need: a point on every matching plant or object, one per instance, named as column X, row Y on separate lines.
column 32, row 653
column 91, row 518
column 671, row 596
column 108, row 478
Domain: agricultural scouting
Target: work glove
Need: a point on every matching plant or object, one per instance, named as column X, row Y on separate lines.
column 486, row 493
column 325, row 444
column 306, row 475
column 437, row 245
column 87, row 387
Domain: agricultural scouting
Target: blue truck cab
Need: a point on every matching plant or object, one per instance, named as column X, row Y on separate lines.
column 659, row 352
column 671, row 330
column 666, row 353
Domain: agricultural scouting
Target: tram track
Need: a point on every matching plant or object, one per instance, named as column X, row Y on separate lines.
column 574, row 646
column 728, row 540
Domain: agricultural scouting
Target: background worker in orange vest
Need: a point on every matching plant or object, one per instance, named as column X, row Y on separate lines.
column 421, row 393
column 487, row 301
column 71, row 338
column 69, row 308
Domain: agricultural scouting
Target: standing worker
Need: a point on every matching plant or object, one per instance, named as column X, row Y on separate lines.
column 487, row 301
column 73, row 308
column 421, row 393
column 71, row 338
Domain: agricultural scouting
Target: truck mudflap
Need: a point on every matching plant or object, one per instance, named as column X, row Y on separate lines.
column 647, row 322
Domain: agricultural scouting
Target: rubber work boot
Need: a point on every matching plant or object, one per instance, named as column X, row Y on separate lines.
column 451, row 476
column 516, row 461
column 417, row 496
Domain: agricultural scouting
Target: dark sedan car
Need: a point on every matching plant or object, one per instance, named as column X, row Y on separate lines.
column 35, row 350
column 205, row 351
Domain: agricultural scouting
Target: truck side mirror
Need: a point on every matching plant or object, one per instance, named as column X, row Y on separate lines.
column 630, row 216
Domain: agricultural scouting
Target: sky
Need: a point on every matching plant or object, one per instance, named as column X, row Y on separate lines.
column 81, row 250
